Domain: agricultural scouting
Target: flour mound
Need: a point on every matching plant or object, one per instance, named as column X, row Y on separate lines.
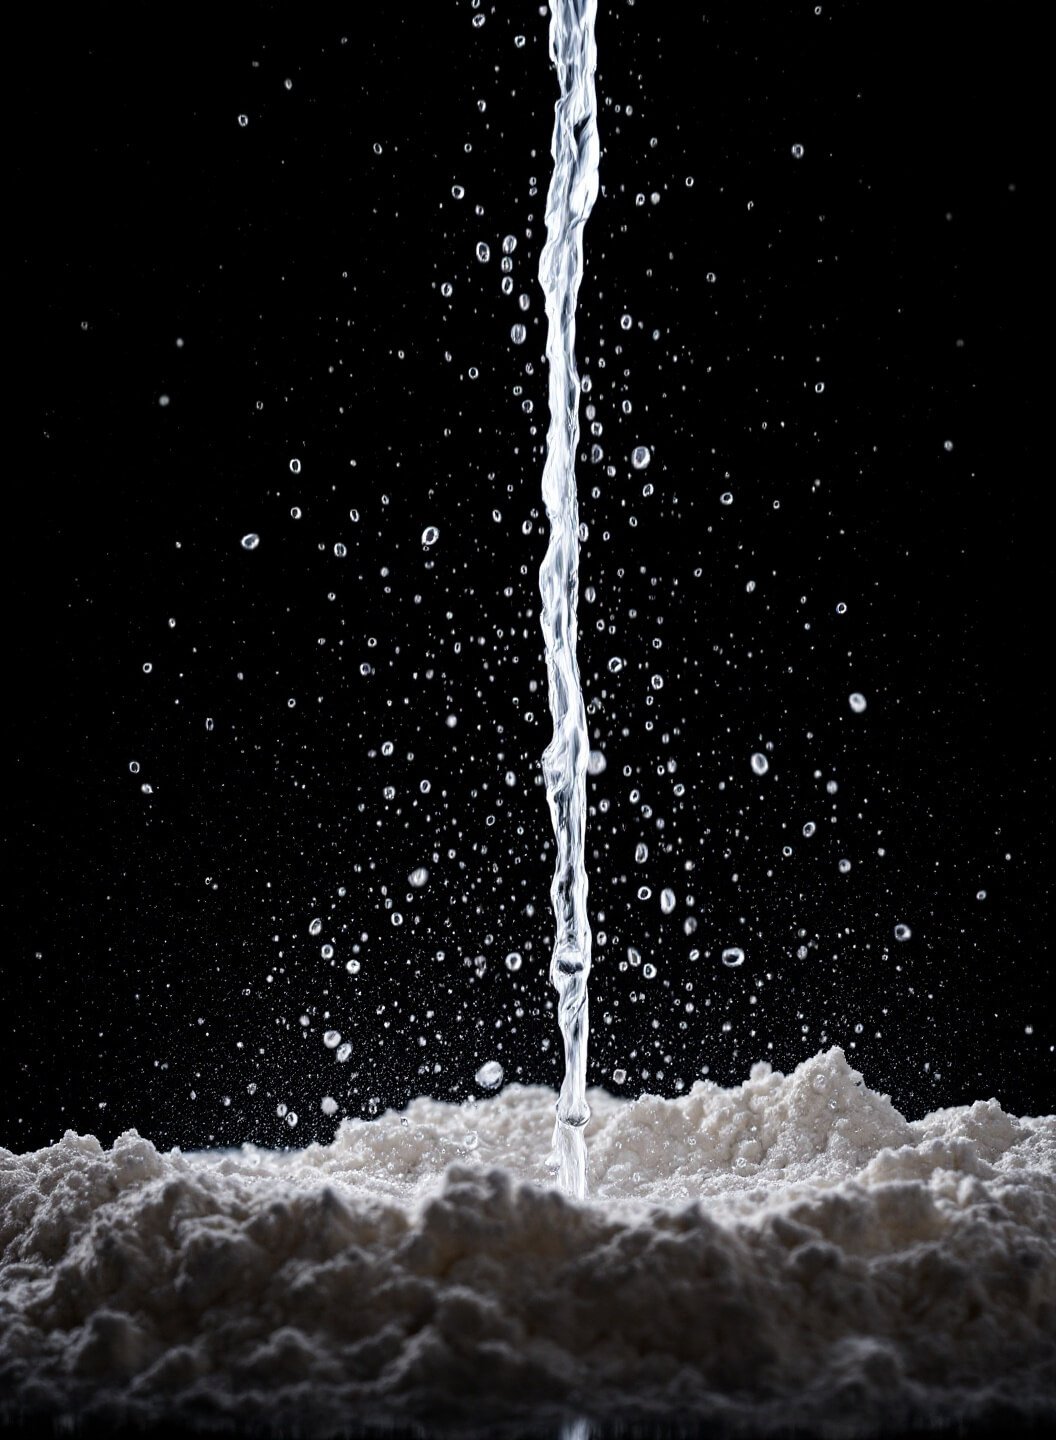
column 791, row 1251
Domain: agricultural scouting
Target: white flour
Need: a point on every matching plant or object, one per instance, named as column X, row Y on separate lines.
column 788, row 1251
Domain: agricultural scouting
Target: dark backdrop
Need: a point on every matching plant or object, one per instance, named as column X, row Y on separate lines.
column 846, row 342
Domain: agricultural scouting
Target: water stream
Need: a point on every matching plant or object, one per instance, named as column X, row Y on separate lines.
column 573, row 189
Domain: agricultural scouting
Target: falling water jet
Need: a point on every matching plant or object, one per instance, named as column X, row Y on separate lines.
column 573, row 190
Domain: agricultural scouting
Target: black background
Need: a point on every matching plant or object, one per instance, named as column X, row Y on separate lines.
column 299, row 259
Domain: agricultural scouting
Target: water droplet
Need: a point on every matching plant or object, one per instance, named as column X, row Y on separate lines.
column 457, row 191
column 418, row 877
column 295, row 467
column 315, row 928
column 667, row 901
column 797, row 151
column 483, row 252
column 243, row 121
column 902, row 932
column 760, row 764
column 857, row 702
column 640, row 456
column 844, row 867
column 332, row 1039
column 489, row 1076
column 809, row 828
column 517, row 334
column 250, row 542
column 509, row 244
column 513, row 960
column 733, row 956
column 726, row 498
column 641, row 852
column 430, row 535
column 615, row 664
column 343, row 1052
column 619, row 1077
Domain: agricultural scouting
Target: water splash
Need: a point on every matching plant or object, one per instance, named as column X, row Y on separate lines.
column 573, row 189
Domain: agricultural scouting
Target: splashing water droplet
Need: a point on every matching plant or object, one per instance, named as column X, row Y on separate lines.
column 489, row 1076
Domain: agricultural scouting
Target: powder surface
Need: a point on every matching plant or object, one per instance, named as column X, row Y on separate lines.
column 789, row 1251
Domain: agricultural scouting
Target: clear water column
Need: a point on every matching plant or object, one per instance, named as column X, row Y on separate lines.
column 573, row 190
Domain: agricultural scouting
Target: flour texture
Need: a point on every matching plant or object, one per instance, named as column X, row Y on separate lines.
column 788, row 1251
